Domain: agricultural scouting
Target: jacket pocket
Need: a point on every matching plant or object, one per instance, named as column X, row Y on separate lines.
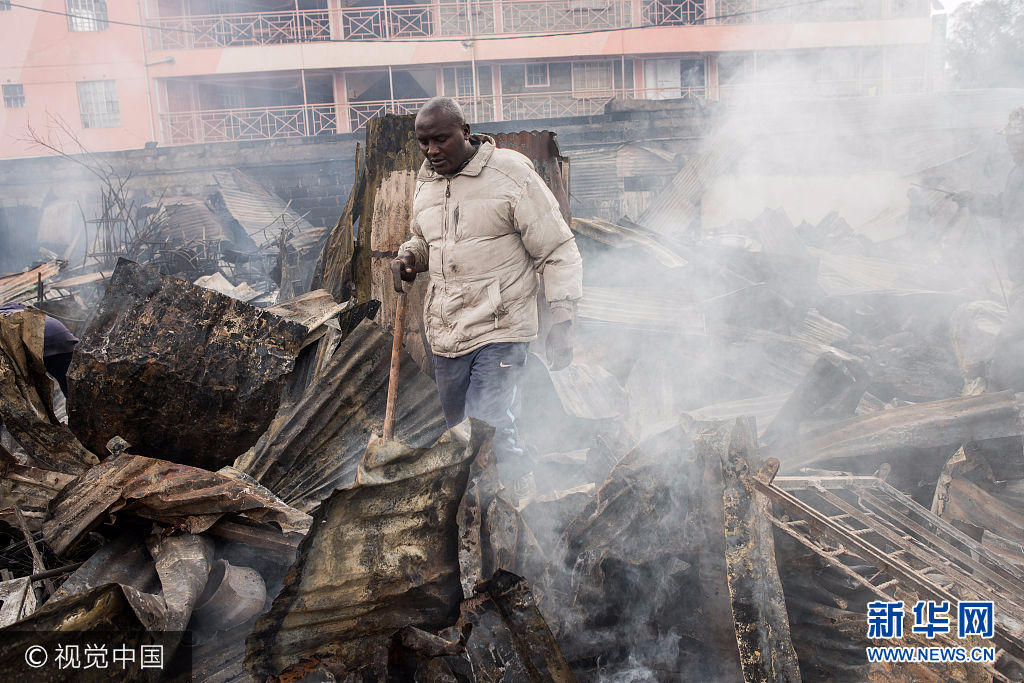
column 481, row 311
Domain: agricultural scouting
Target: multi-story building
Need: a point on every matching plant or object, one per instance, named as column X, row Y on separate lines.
column 118, row 75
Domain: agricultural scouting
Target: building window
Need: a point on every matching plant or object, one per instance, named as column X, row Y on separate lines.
column 592, row 76
column 98, row 103
column 458, row 81
column 14, row 95
column 537, row 76
column 5, row 5
column 87, row 15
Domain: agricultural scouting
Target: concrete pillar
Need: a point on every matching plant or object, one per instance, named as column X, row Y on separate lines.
column 344, row 121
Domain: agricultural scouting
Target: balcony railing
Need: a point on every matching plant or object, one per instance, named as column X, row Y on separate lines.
column 230, row 30
column 261, row 123
column 269, row 123
column 486, row 17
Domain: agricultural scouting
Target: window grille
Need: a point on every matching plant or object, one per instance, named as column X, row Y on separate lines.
column 97, row 101
column 87, row 15
column 14, row 95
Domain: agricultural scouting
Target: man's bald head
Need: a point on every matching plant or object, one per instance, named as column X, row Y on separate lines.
column 443, row 135
column 445, row 108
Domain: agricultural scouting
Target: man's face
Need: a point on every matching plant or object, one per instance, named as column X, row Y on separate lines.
column 443, row 141
column 1015, row 141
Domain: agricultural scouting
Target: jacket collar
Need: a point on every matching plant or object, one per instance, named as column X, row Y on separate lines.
column 475, row 165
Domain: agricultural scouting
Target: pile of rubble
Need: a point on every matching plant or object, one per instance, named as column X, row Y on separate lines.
column 218, row 480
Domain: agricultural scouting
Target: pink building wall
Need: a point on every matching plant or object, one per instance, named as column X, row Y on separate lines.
column 39, row 51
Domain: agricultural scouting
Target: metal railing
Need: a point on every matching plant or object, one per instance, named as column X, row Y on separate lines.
column 483, row 17
column 231, row 30
column 268, row 123
column 260, row 123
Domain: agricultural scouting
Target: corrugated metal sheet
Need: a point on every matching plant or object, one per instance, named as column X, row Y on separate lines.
column 594, row 178
column 261, row 214
column 316, row 446
column 615, row 235
column 381, row 554
column 21, row 287
column 541, row 146
column 639, row 309
column 676, row 206
column 187, row 219
column 186, row 497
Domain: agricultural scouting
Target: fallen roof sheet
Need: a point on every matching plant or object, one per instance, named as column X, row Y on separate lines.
column 261, row 214
column 315, row 446
column 912, row 549
column 183, row 220
column 22, row 287
column 188, row 498
column 389, row 545
column 616, row 235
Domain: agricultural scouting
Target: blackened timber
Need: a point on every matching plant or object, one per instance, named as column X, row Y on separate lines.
column 758, row 605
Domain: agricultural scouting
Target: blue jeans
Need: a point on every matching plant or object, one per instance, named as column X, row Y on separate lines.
column 483, row 384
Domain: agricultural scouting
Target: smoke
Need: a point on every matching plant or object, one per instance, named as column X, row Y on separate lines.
column 821, row 224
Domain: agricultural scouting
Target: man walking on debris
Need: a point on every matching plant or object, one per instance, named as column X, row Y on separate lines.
column 1008, row 206
column 485, row 226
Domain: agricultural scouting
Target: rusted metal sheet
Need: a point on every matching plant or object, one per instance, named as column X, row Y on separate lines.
column 30, row 489
column 541, row 147
column 22, row 287
column 184, row 497
column 675, row 207
column 510, row 641
column 381, row 554
column 83, row 619
column 183, row 563
column 181, row 372
column 758, row 605
column 26, row 397
column 315, row 446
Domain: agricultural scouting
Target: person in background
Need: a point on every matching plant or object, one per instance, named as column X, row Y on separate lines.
column 58, row 346
column 485, row 226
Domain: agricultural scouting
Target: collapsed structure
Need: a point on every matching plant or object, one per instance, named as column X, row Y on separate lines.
column 806, row 423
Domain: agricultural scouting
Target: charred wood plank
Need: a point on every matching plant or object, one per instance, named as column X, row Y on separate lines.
column 758, row 605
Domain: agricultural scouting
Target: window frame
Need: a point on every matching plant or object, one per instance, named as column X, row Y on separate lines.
column 87, row 15
column 526, row 75
column 604, row 64
column 94, row 116
column 11, row 100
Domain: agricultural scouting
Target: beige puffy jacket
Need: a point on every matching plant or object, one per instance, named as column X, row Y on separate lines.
column 485, row 235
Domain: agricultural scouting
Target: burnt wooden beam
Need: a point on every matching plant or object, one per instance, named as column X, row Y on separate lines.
column 758, row 605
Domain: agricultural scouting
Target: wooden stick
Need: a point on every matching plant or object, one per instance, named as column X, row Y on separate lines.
column 396, row 358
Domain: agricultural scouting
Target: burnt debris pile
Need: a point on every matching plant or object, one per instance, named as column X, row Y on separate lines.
column 766, row 427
